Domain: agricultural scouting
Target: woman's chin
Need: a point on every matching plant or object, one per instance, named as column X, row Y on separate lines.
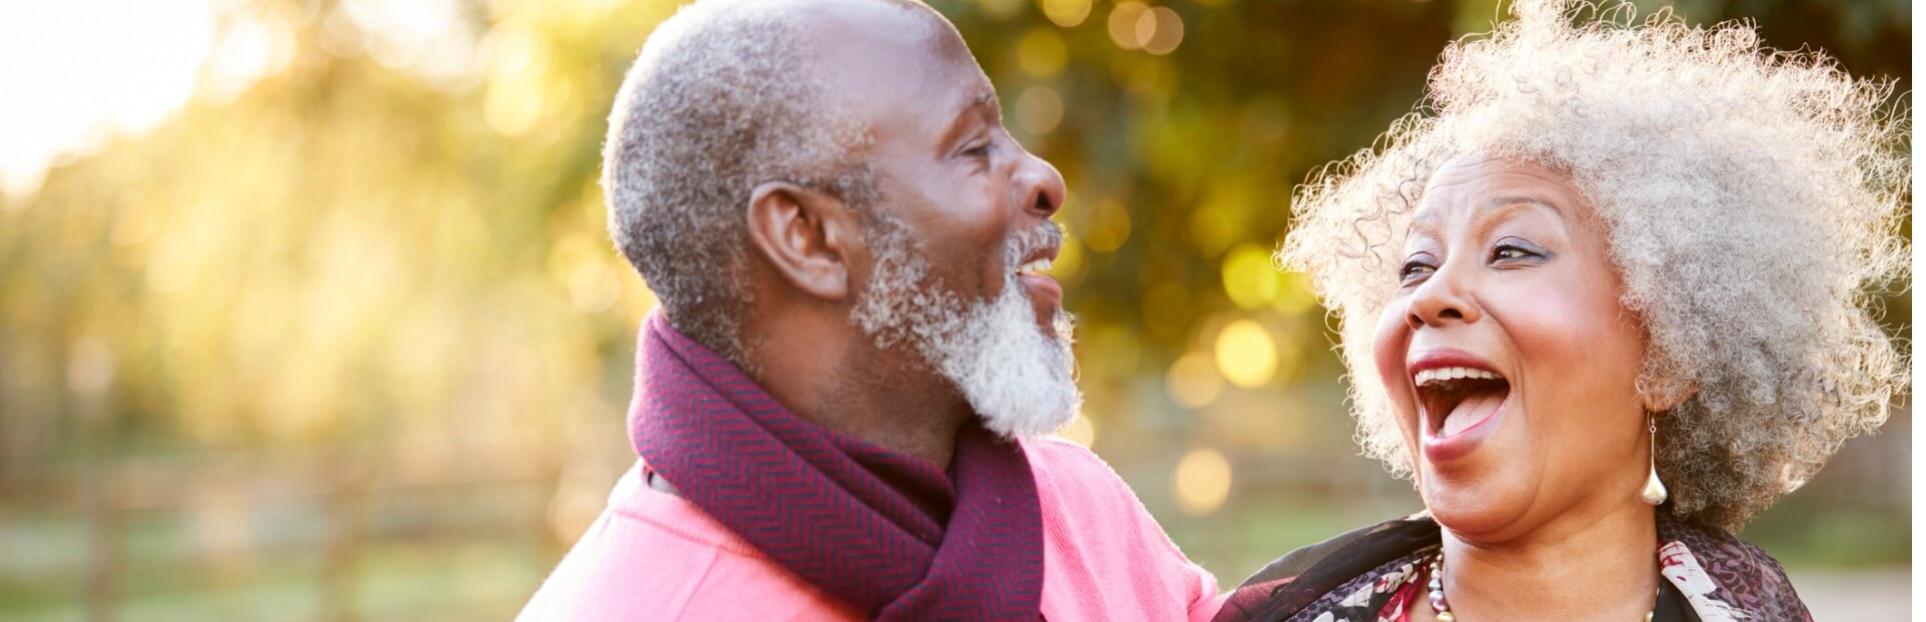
column 1486, row 511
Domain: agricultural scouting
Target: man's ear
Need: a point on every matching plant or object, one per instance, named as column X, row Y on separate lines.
column 805, row 235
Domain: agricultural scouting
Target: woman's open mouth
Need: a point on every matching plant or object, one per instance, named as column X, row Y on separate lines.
column 1459, row 405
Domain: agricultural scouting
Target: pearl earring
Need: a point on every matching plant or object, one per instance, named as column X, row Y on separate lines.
column 1654, row 492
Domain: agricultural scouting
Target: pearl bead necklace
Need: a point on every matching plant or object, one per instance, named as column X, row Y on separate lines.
column 1442, row 607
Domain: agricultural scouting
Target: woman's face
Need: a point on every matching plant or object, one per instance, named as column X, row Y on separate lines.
column 1509, row 359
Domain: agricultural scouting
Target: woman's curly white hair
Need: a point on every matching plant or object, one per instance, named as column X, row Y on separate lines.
column 1751, row 198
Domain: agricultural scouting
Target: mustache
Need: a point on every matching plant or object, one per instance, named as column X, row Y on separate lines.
column 1025, row 242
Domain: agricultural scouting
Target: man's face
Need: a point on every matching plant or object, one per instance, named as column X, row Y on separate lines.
column 961, row 227
column 947, row 167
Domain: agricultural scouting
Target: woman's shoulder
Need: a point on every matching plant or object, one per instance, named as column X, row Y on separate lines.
column 1719, row 573
column 1714, row 540
column 1362, row 549
column 1301, row 577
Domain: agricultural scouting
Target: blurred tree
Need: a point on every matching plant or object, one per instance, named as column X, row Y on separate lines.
column 378, row 224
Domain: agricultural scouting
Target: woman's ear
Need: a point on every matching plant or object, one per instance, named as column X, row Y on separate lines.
column 1662, row 395
column 805, row 235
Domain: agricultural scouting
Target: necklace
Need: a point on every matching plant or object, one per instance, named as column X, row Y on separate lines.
column 1442, row 607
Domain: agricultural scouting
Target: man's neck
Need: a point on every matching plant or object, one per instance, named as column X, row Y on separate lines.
column 1585, row 566
column 827, row 373
column 911, row 412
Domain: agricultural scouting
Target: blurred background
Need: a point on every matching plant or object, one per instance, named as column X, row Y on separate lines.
column 307, row 308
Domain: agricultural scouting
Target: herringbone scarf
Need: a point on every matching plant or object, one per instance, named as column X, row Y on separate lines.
column 885, row 532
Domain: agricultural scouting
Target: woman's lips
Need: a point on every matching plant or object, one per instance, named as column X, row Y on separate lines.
column 1471, row 421
column 1461, row 399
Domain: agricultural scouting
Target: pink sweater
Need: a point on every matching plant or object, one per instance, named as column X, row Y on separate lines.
column 653, row 556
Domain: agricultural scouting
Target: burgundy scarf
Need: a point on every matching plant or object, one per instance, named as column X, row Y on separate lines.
column 883, row 531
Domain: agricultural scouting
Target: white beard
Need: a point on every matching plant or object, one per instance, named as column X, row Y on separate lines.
column 1020, row 381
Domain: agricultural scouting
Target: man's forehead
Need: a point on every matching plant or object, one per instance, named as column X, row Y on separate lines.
column 843, row 27
column 904, row 66
column 882, row 39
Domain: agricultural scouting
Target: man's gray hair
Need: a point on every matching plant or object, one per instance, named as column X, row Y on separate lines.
column 721, row 99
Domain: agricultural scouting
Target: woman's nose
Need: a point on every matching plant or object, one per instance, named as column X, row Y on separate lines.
column 1440, row 300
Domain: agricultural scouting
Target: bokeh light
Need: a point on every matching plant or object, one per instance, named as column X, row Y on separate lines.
column 1123, row 23
column 303, row 304
column 1065, row 13
column 1246, row 355
column 1192, row 381
column 1069, row 262
column 1001, row 9
column 1106, row 225
column 1250, row 278
column 1081, row 430
column 1160, row 30
column 1203, row 481
column 1039, row 110
column 1041, row 52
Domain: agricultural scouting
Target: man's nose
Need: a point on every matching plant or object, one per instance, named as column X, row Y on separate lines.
column 1040, row 186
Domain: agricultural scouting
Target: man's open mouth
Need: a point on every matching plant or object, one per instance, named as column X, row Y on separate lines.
column 1453, row 399
column 1032, row 250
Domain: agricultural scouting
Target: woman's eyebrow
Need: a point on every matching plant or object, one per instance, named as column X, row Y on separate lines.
column 1502, row 202
column 1500, row 208
column 1426, row 218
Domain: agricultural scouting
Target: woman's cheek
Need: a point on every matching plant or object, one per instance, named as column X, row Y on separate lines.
column 1551, row 325
column 1389, row 350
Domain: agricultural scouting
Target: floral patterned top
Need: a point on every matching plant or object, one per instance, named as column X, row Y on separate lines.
column 1377, row 574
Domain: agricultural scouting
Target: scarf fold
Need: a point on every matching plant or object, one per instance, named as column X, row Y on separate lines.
column 885, row 532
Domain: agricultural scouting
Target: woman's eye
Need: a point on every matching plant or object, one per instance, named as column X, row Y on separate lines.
column 1507, row 252
column 1413, row 269
column 979, row 151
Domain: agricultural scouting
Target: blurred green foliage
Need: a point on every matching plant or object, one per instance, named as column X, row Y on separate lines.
column 347, row 339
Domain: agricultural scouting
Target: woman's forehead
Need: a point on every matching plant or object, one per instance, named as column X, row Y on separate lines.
column 1475, row 173
column 1471, row 186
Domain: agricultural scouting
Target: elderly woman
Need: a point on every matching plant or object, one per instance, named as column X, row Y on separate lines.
column 1601, row 299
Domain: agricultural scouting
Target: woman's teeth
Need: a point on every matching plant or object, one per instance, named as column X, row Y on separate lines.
column 1442, row 374
column 1035, row 266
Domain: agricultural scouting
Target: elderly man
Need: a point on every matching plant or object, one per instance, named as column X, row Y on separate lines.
column 839, row 408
